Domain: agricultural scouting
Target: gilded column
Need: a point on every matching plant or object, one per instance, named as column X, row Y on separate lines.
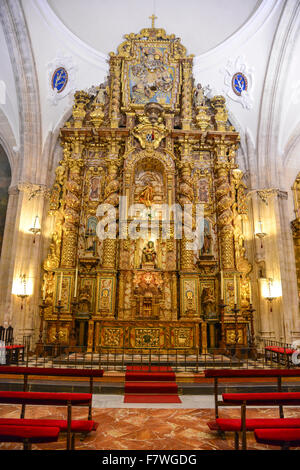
column 121, row 295
column 90, row 342
column 224, row 202
column 185, row 199
column 72, row 214
column 111, row 196
column 187, row 89
column 115, row 91
column 174, row 296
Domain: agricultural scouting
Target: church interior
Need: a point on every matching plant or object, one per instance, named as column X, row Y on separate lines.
column 149, row 224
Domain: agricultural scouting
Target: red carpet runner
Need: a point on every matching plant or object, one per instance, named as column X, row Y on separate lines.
column 150, row 384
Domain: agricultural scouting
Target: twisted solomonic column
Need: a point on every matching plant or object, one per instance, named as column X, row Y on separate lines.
column 111, row 196
column 71, row 214
column 186, row 196
column 225, row 217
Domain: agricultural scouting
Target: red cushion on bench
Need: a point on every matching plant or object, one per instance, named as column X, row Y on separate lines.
column 213, row 425
column 77, row 425
column 278, row 437
column 211, row 373
column 32, row 433
column 51, row 371
column 235, row 424
column 45, row 398
column 276, row 398
column 280, row 350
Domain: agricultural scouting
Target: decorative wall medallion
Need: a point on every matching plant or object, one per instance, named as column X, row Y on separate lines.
column 239, row 83
column 61, row 78
column 238, row 79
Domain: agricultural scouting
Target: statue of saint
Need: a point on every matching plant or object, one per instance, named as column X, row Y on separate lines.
column 199, row 96
column 146, row 196
column 207, row 302
column 207, row 239
column 90, row 241
column 149, row 254
column 100, row 98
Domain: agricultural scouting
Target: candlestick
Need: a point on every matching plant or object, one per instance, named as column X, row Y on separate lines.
column 235, row 290
column 44, row 291
column 250, row 292
column 222, row 285
column 76, row 280
column 60, row 286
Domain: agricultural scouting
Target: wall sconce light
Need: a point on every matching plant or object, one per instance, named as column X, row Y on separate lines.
column 260, row 233
column 269, row 292
column 22, row 288
column 36, row 227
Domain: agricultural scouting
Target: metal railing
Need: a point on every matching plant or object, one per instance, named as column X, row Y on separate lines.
column 117, row 359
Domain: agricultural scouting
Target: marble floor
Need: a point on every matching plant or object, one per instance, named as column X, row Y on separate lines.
column 147, row 427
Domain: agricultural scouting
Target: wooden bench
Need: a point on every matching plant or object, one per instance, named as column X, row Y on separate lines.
column 54, row 372
column 12, row 353
column 28, row 434
column 258, row 399
column 49, row 399
column 285, row 438
column 217, row 374
column 279, row 353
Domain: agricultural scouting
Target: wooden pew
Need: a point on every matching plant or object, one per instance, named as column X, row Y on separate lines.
column 217, row 374
column 285, row 438
column 49, row 399
column 52, row 372
column 28, row 434
column 260, row 399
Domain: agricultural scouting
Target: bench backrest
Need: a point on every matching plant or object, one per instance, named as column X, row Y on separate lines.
column 240, row 373
column 51, row 371
column 45, row 398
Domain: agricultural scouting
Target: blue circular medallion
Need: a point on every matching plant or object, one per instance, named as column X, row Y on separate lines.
column 239, row 83
column 59, row 79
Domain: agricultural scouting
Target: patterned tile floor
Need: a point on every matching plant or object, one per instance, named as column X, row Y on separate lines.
column 146, row 428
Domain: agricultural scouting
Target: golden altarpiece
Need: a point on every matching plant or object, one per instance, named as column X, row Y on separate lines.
column 150, row 135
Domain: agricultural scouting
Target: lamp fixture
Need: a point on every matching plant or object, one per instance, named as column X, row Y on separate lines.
column 260, row 234
column 36, row 227
column 269, row 295
column 22, row 288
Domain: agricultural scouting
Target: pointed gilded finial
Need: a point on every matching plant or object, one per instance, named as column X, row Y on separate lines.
column 153, row 18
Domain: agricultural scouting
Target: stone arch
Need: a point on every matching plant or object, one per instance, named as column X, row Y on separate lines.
column 5, row 180
column 8, row 142
column 272, row 95
column 23, row 64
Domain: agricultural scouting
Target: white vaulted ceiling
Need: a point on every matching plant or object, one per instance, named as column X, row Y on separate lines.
column 201, row 24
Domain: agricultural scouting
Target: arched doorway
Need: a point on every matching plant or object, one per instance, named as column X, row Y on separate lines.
column 5, row 179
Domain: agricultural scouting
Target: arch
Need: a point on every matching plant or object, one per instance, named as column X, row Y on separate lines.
column 291, row 144
column 5, row 180
column 8, row 142
column 51, row 144
column 272, row 95
column 163, row 157
column 21, row 55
